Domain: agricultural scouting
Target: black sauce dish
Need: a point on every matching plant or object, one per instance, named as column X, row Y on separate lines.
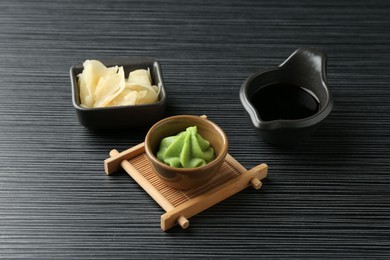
column 121, row 117
column 296, row 114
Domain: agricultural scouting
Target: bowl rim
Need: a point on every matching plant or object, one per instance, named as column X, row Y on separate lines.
column 285, row 123
column 211, row 164
column 123, row 61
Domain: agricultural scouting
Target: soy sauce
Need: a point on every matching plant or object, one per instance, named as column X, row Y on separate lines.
column 284, row 101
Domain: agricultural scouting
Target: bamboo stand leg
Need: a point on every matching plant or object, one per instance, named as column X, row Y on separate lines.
column 256, row 183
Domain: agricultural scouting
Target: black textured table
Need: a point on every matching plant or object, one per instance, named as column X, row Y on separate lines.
column 327, row 197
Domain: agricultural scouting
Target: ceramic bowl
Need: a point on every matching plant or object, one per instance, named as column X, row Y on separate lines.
column 121, row 116
column 305, row 68
column 186, row 178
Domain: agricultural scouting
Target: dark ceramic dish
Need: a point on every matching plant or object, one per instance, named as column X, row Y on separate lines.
column 305, row 68
column 121, row 116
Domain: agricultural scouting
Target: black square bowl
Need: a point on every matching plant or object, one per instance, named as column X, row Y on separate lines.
column 121, row 117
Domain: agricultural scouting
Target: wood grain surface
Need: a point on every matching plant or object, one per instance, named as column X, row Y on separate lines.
column 328, row 197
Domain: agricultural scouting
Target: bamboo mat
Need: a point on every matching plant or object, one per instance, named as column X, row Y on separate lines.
column 328, row 197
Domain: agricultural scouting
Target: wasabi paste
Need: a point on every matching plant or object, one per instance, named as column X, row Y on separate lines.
column 185, row 150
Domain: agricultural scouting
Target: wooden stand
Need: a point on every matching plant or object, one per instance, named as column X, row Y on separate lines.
column 182, row 205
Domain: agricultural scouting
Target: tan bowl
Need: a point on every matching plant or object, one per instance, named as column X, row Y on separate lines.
column 186, row 178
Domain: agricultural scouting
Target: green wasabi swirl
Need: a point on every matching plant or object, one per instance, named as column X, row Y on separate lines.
column 185, row 150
